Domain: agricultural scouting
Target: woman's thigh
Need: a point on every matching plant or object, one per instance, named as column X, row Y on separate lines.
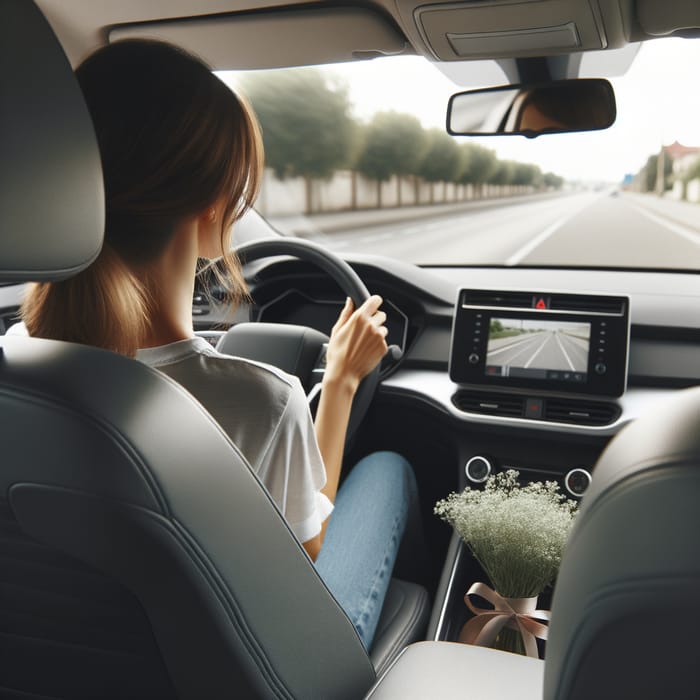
column 363, row 537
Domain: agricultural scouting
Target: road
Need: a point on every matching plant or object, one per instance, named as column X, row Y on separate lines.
column 582, row 229
column 553, row 350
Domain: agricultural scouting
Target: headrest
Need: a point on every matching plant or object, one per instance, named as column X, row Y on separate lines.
column 51, row 189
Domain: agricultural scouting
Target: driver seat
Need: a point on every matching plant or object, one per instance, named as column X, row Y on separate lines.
column 138, row 560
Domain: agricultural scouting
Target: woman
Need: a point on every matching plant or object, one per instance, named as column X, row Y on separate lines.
column 182, row 160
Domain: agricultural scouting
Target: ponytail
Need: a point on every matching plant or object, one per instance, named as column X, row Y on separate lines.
column 105, row 305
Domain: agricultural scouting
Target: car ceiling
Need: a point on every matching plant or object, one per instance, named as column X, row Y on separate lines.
column 262, row 33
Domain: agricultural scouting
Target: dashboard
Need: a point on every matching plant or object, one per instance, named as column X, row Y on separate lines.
column 320, row 312
column 545, row 430
column 664, row 308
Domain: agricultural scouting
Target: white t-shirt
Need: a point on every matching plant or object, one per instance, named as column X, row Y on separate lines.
column 265, row 413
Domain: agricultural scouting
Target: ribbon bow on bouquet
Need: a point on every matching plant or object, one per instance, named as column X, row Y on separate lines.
column 519, row 613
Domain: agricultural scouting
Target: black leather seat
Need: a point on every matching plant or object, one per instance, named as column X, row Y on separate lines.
column 625, row 612
column 141, row 558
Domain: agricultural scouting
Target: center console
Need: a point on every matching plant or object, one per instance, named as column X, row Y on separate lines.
column 529, row 358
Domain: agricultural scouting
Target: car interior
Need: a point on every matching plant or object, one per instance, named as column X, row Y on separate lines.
column 128, row 565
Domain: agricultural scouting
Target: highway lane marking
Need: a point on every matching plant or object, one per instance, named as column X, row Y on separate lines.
column 538, row 240
column 679, row 230
column 538, row 351
column 568, row 359
column 529, row 342
column 503, row 348
column 458, row 220
column 576, row 348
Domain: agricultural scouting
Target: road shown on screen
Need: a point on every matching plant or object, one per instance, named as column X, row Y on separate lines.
column 552, row 349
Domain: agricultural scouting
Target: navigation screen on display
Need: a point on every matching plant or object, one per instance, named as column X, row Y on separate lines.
column 553, row 350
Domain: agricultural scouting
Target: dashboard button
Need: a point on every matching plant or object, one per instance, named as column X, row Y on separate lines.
column 533, row 408
column 473, row 358
column 577, row 481
column 601, row 368
column 478, row 469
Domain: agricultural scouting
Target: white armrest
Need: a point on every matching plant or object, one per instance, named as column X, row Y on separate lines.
column 447, row 670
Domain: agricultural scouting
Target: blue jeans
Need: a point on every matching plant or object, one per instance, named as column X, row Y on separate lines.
column 363, row 537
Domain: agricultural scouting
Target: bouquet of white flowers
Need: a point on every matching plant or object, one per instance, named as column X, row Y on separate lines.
column 517, row 534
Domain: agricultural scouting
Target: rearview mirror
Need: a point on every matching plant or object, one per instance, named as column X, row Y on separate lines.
column 531, row 110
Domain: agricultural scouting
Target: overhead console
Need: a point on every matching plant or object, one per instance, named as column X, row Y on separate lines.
column 541, row 342
column 456, row 31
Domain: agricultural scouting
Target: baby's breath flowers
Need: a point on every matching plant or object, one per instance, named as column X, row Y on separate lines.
column 517, row 533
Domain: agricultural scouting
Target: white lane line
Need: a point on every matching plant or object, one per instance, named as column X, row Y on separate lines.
column 523, row 252
column 533, row 340
column 682, row 231
column 577, row 347
column 568, row 359
column 509, row 346
column 538, row 351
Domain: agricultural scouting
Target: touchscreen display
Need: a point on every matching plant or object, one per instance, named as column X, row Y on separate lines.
column 538, row 349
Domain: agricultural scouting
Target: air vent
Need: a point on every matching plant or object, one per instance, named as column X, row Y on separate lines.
column 580, row 412
column 572, row 302
column 490, row 403
column 556, row 302
column 476, row 297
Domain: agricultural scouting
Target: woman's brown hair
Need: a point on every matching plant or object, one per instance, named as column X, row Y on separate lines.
column 174, row 139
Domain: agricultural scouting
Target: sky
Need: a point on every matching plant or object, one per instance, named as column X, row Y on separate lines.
column 658, row 102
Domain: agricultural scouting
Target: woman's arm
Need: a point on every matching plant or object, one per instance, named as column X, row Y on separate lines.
column 357, row 344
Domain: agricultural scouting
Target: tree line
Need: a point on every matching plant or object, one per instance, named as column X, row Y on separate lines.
column 309, row 131
column 647, row 177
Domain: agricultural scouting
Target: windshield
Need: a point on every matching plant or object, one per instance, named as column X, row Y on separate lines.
column 358, row 158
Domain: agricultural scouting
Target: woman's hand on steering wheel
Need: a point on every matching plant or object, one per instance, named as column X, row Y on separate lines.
column 357, row 343
column 351, row 285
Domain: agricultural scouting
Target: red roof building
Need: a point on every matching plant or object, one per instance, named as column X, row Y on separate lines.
column 677, row 150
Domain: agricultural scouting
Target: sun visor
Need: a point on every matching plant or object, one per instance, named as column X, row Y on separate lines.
column 277, row 39
column 507, row 29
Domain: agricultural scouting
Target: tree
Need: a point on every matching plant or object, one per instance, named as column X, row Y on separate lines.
column 526, row 174
column 441, row 160
column 392, row 144
column 306, row 124
column 553, row 181
column 503, row 173
column 478, row 164
column 650, row 172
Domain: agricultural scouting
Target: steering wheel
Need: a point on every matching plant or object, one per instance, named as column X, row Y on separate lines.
column 256, row 340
